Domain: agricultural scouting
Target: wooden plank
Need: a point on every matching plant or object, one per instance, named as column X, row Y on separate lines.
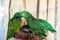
column 51, row 17
column 6, row 16
column 55, row 36
column 58, row 20
column 38, row 2
column 31, row 6
column 16, row 5
column 9, row 8
column 43, row 9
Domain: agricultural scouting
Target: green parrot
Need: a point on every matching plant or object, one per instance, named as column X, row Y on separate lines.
column 37, row 26
column 47, row 25
column 34, row 25
column 14, row 25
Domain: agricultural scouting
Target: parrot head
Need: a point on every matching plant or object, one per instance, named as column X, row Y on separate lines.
column 26, row 14
column 17, row 15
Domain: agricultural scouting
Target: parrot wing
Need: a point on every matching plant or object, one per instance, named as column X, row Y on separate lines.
column 36, row 27
column 46, row 25
column 13, row 27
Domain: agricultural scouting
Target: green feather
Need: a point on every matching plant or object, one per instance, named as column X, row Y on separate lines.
column 47, row 25
column 14, row 25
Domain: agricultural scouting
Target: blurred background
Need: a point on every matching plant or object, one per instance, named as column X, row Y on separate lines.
column 43, row 9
